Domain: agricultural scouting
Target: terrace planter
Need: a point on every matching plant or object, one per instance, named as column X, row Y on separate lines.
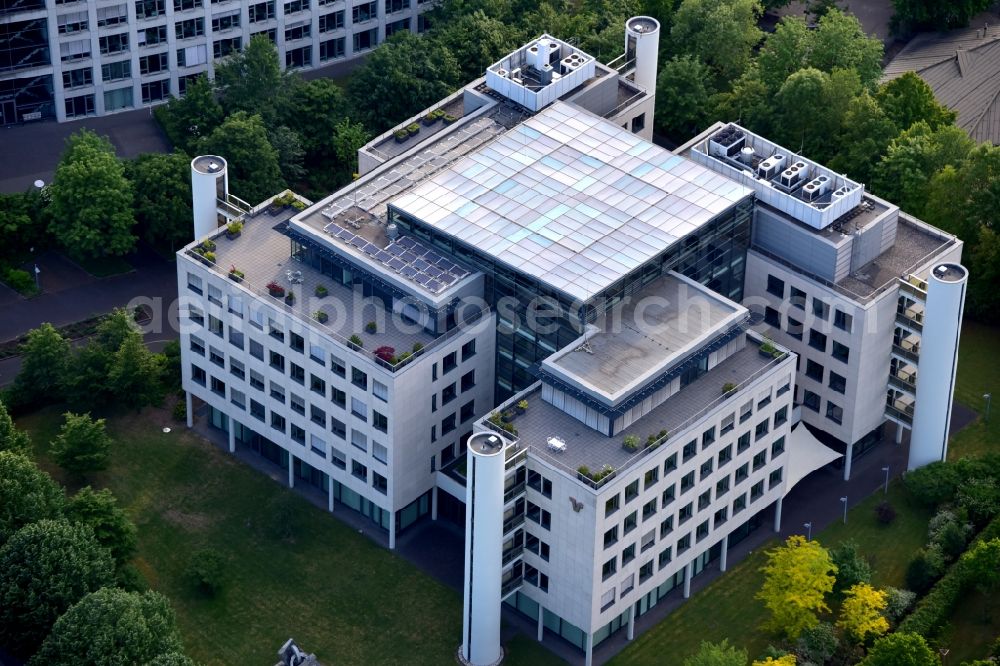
column 401, row 136
column 236, row 277
column 429, row 120
column 231, row 235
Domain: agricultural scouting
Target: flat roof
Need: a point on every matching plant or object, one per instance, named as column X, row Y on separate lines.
column 654, row 329
column 571, row 199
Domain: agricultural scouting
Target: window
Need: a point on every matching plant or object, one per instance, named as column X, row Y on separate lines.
column 739, row 504
column 761, row 429
column 795, row 328
column 197, row 345
column 810, row 400
column 843, row 321
column 296, row 342
column 116, row 71
column 467, row 412
column 339, row 428
column 774, row 478
column 152, row 36
column 256, row 350
column 764, row 399
column 236, row 338
column 365, row 39
column 817, row 340
column 821, row 310
column 149, row 8
column 338, row 458
column 775, row 286
column 689, row 451
column 238, row 398
column 359, row 408
column 296, row 6
column 194, row 27
column 380, row 390
column 639, row 123
column 612, row 505
column 256, row 410
column 380, row 453
column 539, row 483
column 338, row 397
column 358, row 470
column 449, row 393
column 608, row 599
column 277, row 421
column 191, row 56
column 837, row 382
column 670, row 464
column 359, row 378
column 316, row 384
column 743, row 443
column 380, row 421
column 781, row 416
column 701, row 532
column 359, row 440
column 112, row 15
column 706, row 469
column 226, row 21
column 631, row 522
column 449, row 363
column 708, row 437
column 628, row 584
column 216, row 357
column 798, row 298
column 841, row 352
column 631, row 491
column 728, row 424
column 665, row 557
column 650, row 477
column 756, row 491
column 298, row 31
column 609, row 568
column 215, row 325
column 666, row 526
column 337, row 366
column 256, row 380
column 317, row 416
column 759, row 460
column 261, row 11
column 725, row 455
column 396, row 5
column 332, row 21
column 668, row 495
column 743, row 473
column 746, row 411
column 77, row 78
column 704, row 499
column 332, row 48
column 218, row 387
column 539, row 515
column 649, row 509
column 814, row 371
column 834, row 412
column 154, row 91
column 778, row 447
column 468, row 350
column 468, row 380
column 237, row 369
column 683, row 543
column 277, row 361
column 685, row 514
column 297, row 434
column 628, row 554
column 223, row 47
column 611, row 537
column 76, row 50
column 185, row 5
column 380, row 483
column 364, row 12
column 772, row 317
column 448, row 424
column 721, row 516
column 117, row 43
column 687, row 482
column 722, row 486
column 297, row 403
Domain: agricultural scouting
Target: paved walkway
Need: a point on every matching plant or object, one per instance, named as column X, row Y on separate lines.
column 437, row 548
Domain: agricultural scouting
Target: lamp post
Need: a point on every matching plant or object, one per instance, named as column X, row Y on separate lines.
column 885, row 490
column 988, row 397
column 809, row 531
column 844, row 501
column 944, row 656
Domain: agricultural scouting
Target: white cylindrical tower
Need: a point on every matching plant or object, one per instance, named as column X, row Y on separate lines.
column 938, row 362
column 483, row 548
column 642, row 44
column 209, row 182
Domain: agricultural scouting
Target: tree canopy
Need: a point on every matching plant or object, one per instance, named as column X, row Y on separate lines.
column 914, row 15
column 82, row 445
column 797, row 578
column 162, row 198
column 251, row 80
column 27, row 494
column 46, row 567
column 720, row 33
column 110, row 627
column 11, row 438
column 687, row 83
column 99, row 510
column 901, row 649
column 91, row 207
column 254, row 173
column 717, row 654
column 862, row 615
column 908, row 99
column 44, row 359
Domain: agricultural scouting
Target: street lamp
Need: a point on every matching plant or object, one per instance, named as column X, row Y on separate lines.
column 844, row 501
column 987, row 397
column 809, row 531
column 944, row 655
column 886, row 489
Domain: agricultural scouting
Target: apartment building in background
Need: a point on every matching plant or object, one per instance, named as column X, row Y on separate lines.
column 607, row 361
column 68, row 59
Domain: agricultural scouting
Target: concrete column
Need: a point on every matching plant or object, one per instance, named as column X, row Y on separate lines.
column 724, row 555
column 392, row 532
column 540, row 630
column 291, row 471
column 630, row 633
column 189, row 410
column 589, row 661
column 232, row 436
column 329, row 495
column 434, row 503
column 777, row 515
column 848, row 459
column 899, row 434
column 688, row 575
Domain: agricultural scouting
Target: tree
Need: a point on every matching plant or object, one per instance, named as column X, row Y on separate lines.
column 91, row 206
column 134, row 374
column 12, row 439
column 43, row 365
column 251, row 80
column 797, row 577
column 817, row 645
column 913, row 15
column 863, row 138
column 82, row 444
column 46, row 567
column 401, row 77
column 112, row 528
column 86, row 384
column 749, row 102
column 720, row 33
column 811, row 106
column 924, row 569
column 171, row 659
column 901, row 649
column 897, row 603
column 717, row 654
column 907, row 99
column 841, row 43
column 982, row 567
column 22, row 224
column 206, row 570
column 786, row 660
column 984, row 298
column 186, row 119
column 291, row 154
column 477, row 41
column 862, row 613
column 254, row 173
column 784, row 52
column 27, row 494
column 685, row 85
column 110, row 627
column 852, row 567
column 903, row 174
column 163, row 198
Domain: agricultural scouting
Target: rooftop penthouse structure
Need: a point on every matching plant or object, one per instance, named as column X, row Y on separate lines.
column 607, row 361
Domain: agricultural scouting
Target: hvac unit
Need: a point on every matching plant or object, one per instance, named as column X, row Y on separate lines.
column 816, row 188
column 727, row 142
column 790, row 176
column 746, row 155
column 502, row 73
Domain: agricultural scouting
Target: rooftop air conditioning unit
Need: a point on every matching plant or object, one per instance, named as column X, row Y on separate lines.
column 502, row 73
column 816, row 188
column 790, row 176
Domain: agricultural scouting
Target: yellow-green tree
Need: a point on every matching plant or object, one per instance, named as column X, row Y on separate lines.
column 797, row 578
column 862, row 613
column 786, row 660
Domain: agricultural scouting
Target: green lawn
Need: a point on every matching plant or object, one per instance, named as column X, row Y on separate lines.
column 525, row 651
column 337, row 593
column 102, row 267
column 978, row 373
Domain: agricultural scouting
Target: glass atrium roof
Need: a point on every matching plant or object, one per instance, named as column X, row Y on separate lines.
column 571, row 199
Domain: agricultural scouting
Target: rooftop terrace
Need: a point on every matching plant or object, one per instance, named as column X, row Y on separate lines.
column 263, row 253
column 590, row 448
column 651, row 331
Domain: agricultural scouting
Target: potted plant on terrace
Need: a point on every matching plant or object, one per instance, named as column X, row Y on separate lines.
column 321, row 316
column 401, row 135
column 387, row 354
column 728, row 388
column 630, row 443
column 234, row 229
column 235, row 274
column 371, row 327
column 275, row 289
column 448, row 118
column 355, row 342
column 767, row 348
column 413, row 129
column 290, row 298
column 321, row 291
column 522, row 406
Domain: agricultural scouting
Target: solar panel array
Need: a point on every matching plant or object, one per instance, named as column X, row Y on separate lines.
column 571, row 199
column 408, row 258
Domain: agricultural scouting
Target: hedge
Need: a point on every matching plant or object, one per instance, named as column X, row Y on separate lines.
column 933, row 611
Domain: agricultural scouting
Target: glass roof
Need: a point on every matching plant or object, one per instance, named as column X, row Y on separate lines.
column 571, row 199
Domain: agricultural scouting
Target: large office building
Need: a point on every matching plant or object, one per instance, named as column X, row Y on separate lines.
column 608, row 362
column 67, row 59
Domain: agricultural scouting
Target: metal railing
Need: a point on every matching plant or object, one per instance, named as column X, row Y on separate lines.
column 906, row 353
column 902, row 384
column 905, row 417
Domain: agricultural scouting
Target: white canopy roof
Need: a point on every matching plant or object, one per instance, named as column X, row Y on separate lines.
column 806, row 454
